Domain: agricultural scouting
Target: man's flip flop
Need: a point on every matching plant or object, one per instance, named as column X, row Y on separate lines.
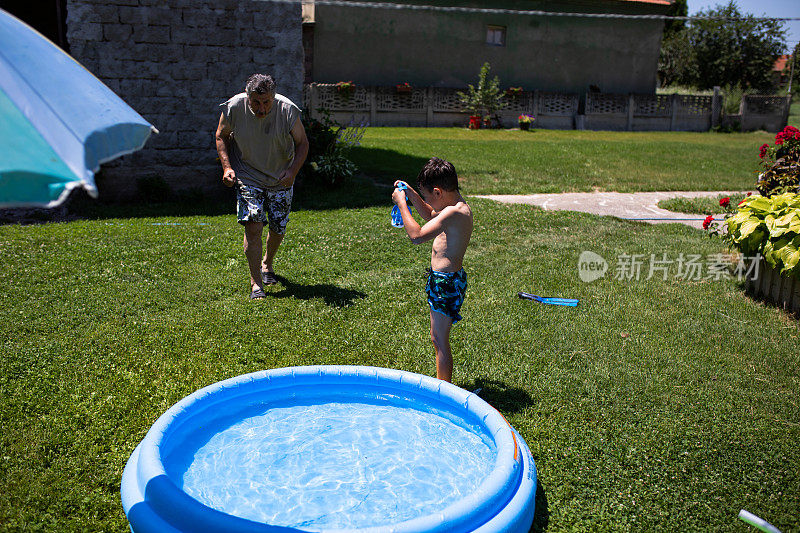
column 269, row 278
column 257, row 294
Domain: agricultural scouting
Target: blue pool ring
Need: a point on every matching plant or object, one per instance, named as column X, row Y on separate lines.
column 154, row 503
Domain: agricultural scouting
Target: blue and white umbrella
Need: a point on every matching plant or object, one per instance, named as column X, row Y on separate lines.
column 58, row 122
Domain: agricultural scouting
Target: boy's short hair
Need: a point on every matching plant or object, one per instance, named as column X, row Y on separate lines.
column 438, row 173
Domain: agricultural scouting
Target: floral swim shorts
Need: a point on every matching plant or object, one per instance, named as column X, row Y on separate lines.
column 259, row 205
column 446, row 291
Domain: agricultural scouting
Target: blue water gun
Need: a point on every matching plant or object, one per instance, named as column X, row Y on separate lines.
column 397, row 218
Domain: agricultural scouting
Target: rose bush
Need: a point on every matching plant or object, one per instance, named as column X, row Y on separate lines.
column 781, row 162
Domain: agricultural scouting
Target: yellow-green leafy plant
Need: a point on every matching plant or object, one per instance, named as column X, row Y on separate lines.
column 770, row 227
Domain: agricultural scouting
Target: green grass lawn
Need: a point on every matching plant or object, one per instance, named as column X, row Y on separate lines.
column 656, row 405
column 546, row 161
column 700, row 206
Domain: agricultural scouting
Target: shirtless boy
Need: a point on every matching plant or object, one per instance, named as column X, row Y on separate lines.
column 448, row 222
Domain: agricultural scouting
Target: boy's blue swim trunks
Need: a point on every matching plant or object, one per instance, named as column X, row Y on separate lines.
column 446, row 291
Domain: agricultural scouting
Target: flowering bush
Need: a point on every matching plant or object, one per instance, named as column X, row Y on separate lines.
column 710, row 225
column 346, row 87
column 781, row 162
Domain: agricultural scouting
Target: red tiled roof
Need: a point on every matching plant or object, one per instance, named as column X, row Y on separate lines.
column 780, row 63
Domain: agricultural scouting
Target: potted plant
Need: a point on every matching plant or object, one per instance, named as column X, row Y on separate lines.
column 514, row 92
column 766, row 228
column 769, row 229
column 346, row 88
column 482, row 101
column 404, row 88
column 525, row 121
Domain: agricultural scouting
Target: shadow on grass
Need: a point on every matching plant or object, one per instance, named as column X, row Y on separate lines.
column 331, row 294
column 513, row 399
column 371, row 188
column 386, row 166
column 499, row 395
column 541, row 516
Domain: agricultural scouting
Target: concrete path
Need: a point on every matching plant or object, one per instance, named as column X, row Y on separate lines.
column 639, row 206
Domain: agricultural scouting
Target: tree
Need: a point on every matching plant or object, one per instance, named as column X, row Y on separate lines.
column 735, row 51
column 676, row 62
column 740, row 50
column 791, row 70
column 487, row 98
column 679, row 8
column 675, row 56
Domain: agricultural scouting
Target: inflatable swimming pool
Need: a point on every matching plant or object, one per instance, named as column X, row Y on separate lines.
column 330, row 448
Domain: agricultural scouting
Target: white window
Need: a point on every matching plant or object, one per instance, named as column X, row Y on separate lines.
column 496, row 35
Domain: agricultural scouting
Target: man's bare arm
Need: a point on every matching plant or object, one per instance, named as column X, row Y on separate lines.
column 223, row 138
column 298, row 133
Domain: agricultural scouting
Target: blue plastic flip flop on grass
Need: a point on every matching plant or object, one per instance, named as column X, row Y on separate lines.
column 569, row 302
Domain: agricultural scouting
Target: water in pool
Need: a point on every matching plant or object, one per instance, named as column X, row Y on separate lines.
column 331, row 465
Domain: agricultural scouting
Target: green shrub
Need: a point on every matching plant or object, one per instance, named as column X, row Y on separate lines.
column 770, row 227
column 330, row 143
column 486, row 99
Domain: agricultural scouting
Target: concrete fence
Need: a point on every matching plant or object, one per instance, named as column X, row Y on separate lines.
column 435, row 106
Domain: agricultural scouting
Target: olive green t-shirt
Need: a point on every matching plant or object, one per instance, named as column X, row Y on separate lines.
column 262, row 148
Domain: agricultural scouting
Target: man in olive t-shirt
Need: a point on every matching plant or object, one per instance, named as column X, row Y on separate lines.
column 262, row 145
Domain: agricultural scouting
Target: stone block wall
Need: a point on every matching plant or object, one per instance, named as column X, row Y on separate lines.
column 175, row 61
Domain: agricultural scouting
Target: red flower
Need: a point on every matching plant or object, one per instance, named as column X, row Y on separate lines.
column 724, row 202
column 707, row 222
column 749, row 193
column 763, row 150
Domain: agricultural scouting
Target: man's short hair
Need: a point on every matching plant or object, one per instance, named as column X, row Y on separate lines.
column 438, row 173
column 260, row 84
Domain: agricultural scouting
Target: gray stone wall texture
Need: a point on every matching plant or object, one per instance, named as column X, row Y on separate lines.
column 175, row 61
